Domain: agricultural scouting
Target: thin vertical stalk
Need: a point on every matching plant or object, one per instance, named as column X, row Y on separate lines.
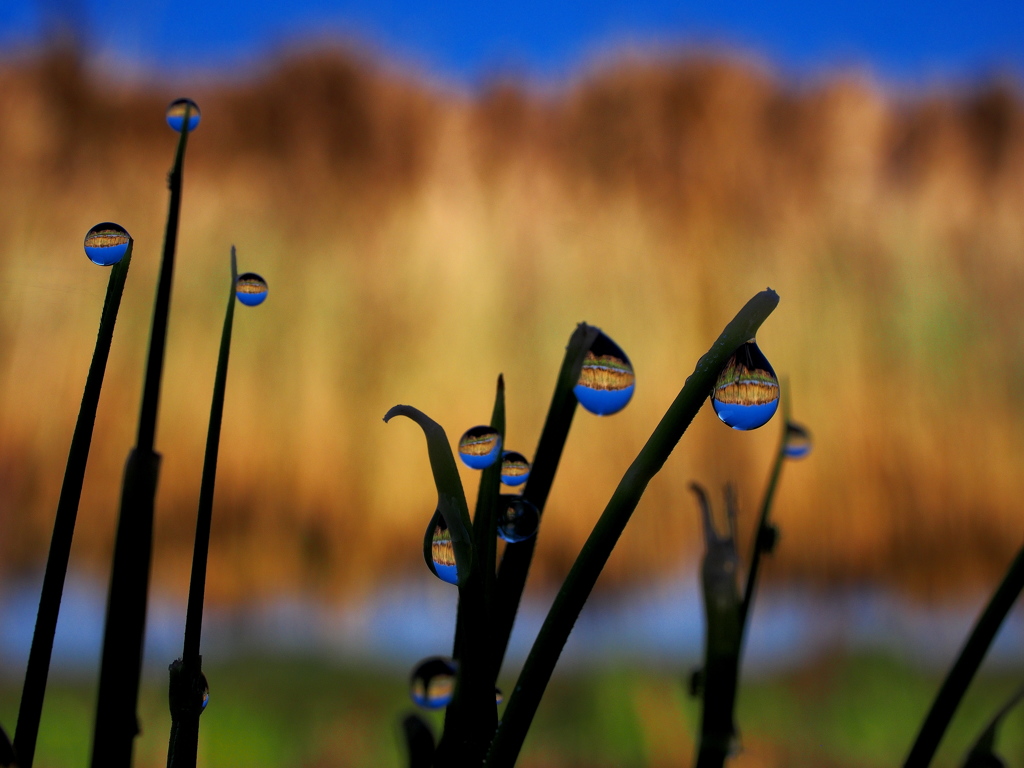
column 472, row 716
column 515, row 562
column 121, row 666
column 576, row 589
column 38, row 669
column 960, row 675
column 757, row 547
column 187, row 681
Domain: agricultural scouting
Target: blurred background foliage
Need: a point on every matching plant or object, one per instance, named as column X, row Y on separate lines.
column 418, row 239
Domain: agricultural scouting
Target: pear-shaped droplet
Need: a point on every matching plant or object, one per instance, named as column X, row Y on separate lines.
column 606, row 380
column 518, row 519
column 432, row 684
column 798, row 441
column 180, row 110
column 206, row 694
column 251, row 289
column 498, row 696
column 480, row 447
column 746, row 394
column 106, row 243
column 442, row 553
column 515, row 469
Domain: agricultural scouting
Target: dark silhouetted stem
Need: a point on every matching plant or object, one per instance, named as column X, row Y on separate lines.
column 548, row 646
column 981, row 752
column 121, row 665
column 419, row 741
column 757, row 548
column 472, row 715
column 7, row 754
column 38, row 668
column 515, row 562
column 963, row 671
column 186, row 701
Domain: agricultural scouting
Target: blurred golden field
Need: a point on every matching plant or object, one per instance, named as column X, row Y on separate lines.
column 419, row 240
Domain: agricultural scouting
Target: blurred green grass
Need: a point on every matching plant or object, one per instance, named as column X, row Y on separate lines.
column 855, row 712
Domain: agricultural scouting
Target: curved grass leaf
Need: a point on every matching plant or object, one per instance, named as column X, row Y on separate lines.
column 451, row 499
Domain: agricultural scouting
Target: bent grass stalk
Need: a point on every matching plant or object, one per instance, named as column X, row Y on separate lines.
column 982, row 752
column 536, row 673
column 38, row 668
column 116, row 719
column 187, row 681
column 963, row 670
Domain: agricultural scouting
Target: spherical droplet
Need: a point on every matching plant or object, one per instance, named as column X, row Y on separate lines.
column 479, row 447
column 606, row 380
column 498, row 696
column 443, row 553
column 798, row 441
column 176, row 111
column 251, row 289
column 106, row 243
column 518, row 519
column 432, row 684
column 746, row 394
column 515, row 469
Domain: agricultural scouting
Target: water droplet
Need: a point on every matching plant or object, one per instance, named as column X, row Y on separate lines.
column 515, row 469
column 432, row 684
column 106, row 243
column 251, row 289
column 498, row 696
column 798, row 441
column 443, row 553
column 746, row 394
column 606, row 381
column 479, row 447
column 518, row 519
column 176, row 114
column 206, row 694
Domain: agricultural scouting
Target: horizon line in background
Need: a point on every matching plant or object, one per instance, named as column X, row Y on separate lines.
column 949, row 42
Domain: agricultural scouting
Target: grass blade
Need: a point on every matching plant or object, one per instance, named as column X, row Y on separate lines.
column 187, row 681
column 515, row 562
column 38, row 668
column 472, row 716
column 419, row 741
column 116, row 718
column 451, row 498
column 534, row 678
column 983, row 750
column 960, row 675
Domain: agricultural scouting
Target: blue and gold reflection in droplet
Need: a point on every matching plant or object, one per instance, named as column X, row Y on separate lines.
column 498, row 696
column 480, row 447
column 176, row 111
column 518, row 519
column 606, row 380
column 798, row 441
column 442, row 553
column 106, row 243
column 746, row 394
column 432, row 684
column 251, row 289
column 515, row 469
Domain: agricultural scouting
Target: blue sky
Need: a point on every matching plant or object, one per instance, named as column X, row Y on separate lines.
column 467, row 40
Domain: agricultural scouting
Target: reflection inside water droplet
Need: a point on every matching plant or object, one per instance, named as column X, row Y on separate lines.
column 746, row 394
column 518, row 519
column 442, row 553
column 432, row 684
column 498, row 696
column 479, row 447
column 106, row 243
column 251, row 289
column 798, row 441
column 206, row 693
column 606, row 380
column 176, row 114
column 515, row 469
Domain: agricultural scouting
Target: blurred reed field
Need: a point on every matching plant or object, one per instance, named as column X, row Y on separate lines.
column 418, row 241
